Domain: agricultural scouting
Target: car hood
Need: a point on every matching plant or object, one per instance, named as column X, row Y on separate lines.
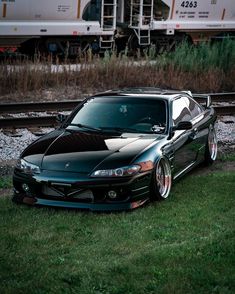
column 83, row 152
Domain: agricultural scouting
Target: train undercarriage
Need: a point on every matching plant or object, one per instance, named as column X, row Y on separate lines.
column 69, row 30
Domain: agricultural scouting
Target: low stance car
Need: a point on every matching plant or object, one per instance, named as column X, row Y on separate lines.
column 118, row 150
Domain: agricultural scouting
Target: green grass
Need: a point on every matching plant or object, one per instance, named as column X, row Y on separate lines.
column 227, row 157
column 182, row 245
column 5, row 182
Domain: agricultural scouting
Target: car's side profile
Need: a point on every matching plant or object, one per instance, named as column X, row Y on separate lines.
column 118, row 150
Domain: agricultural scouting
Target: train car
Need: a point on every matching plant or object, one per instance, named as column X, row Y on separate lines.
column 57, row 26
column 68, row 27
column 169, row 20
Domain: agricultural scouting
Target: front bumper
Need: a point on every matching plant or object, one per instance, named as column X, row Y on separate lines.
column 36, row 201
column 56, row 189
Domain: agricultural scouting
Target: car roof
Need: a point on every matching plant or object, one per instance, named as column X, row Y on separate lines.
column 144, row 92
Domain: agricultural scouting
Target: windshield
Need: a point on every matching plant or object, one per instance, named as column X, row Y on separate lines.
column 128, row 114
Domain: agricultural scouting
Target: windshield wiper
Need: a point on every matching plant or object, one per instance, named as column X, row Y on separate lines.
column 121, row 130
column 86, row 127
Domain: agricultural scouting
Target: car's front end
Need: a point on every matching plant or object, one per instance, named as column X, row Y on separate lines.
column 79, row 190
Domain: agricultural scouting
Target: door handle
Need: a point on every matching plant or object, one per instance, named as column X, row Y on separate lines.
column 195, row 131
column 193, row 134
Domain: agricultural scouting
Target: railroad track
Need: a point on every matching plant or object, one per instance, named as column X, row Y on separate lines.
column 38, row 106
column 222, row 97
column 50, row 120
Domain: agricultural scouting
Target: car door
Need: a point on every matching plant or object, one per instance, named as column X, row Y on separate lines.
column 200, row 127
column 184, row 141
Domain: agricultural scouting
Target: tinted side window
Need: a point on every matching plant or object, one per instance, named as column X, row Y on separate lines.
column 180, row 111
column 194, row 108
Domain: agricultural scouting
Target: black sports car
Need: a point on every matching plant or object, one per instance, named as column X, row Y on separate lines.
column 117, row 150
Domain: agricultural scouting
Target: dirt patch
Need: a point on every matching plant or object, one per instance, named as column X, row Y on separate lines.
column 219, row 165
column 5, row 192
column 7, row 167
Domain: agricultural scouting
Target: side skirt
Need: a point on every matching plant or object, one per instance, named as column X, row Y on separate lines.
column 187, row 169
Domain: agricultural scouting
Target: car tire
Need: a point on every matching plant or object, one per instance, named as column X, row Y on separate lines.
column 211, row 147
column 162, row 180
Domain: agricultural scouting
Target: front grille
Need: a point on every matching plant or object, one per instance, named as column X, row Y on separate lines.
column 66, row 191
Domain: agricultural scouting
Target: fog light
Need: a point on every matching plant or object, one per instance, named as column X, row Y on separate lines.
column 112, row 194
column 25, row 187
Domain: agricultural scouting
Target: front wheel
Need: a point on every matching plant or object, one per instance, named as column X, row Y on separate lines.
column 162, row 181
column 211, row 147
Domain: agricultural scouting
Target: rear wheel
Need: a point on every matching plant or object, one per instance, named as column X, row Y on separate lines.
column 211, row 147
column 162, row 181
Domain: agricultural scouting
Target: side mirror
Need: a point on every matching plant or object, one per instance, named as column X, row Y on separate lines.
column 60, row 118
column 183, row 125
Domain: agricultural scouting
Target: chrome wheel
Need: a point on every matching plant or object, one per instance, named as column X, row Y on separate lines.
column 212, row 145
column 163, row 178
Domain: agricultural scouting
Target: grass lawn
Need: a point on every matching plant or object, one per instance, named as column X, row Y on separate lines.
column 185, row 244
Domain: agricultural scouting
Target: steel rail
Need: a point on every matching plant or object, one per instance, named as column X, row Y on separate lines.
column 50, row 121
column 27, row 122
column 225, row 110
column 222, row 97
column 38, row 106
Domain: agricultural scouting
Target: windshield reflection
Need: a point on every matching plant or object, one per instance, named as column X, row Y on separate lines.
column 122, row 114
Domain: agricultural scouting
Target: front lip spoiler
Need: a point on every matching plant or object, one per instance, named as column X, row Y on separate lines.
column 35, row 201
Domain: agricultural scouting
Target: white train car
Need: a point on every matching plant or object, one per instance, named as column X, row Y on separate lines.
column 200, row 19
column 68, row 26
column 54, row 23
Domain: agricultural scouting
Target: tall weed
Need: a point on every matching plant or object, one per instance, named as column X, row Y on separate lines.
column 206, row 67
column 204, row 56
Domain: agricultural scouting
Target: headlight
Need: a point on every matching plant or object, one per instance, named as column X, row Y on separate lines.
column 118, row 172
column 27, row 167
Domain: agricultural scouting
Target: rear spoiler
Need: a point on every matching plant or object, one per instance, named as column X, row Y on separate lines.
column 203, row 99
